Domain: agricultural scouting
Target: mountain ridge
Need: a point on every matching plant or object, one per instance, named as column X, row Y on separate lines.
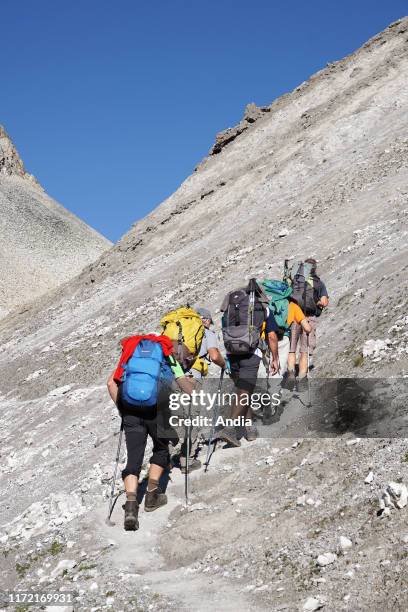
column 43, row 244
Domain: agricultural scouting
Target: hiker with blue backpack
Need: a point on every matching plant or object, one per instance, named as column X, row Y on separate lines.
column 140, row 387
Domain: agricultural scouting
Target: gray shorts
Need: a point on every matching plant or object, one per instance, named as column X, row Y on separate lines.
column 299, row 338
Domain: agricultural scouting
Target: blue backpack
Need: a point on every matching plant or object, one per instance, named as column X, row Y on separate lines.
column 145, row 374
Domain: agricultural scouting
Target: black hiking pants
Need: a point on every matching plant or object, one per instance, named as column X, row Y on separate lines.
column 138, row 423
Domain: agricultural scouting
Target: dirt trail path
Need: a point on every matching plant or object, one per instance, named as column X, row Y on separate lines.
column 137, row 554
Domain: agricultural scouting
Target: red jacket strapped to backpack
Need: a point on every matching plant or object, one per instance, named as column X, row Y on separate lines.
column 128, row 348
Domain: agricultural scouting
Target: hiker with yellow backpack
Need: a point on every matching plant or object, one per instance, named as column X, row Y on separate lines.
column 195, row 346
column 208, row 353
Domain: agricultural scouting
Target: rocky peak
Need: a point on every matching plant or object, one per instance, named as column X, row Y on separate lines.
column 10, row 161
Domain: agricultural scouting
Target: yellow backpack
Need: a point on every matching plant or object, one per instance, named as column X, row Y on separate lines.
column 201, row 364
column 186, row 330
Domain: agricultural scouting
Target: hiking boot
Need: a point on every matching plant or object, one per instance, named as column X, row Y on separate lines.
column 251, row 433
column 228, row 435
column 154, row 499
column 290, row 383
column 193, row 464
column 303, row 384
column 131, row 509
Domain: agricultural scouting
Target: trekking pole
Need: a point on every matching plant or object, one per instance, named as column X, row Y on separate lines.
column 309, row 402
column 188, row 446
column 112, row 499
column 271, row 409
column 215, row 416
column 267, row 364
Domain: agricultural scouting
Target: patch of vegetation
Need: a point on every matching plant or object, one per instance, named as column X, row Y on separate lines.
column 358, row 361
column 56, row 548
column 405, row 458
column 402, row 555
column 105, row 549
column 22, row 569
column 287, row 506
column 156, row 596
column 22, row 609
column 109, row 593
column 86, row 566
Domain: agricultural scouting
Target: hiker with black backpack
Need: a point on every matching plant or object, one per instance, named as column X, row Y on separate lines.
column 246, row 319
column 140, row 387
column 310, row 293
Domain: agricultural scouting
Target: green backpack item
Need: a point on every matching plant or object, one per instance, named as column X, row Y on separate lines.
column 278, row 293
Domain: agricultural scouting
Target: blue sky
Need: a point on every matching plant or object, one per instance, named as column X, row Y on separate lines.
column 112, row 104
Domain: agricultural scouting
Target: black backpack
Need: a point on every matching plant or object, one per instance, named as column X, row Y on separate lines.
column 305, row 286
column 243, row 318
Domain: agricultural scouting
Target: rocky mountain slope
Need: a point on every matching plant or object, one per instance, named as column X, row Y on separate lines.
column 42, row 244
column 323, row 171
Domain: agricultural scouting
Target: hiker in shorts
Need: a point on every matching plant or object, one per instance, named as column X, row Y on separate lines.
column 138, row 422
column 244, row 371
column 300, row 338
column 208, row 353
column 295, row 316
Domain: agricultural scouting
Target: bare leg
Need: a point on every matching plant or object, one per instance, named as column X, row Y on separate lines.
column 241, row 406
column 155, row 473
column 292, row 361
column 131, row 481
column 302, row 365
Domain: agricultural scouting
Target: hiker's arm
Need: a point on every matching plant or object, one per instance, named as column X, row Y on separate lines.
column 216, row 357
column 323, row 302
column 186, row 384
column 112, row 388
column 273, row 346
column 183, row 382
column 306, row 325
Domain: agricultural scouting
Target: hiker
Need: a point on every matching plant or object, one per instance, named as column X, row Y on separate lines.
column 310, row 293
column 285, row 312
column 246, row 316
column 139, row 387
column 208, row 353
column 296, row 316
